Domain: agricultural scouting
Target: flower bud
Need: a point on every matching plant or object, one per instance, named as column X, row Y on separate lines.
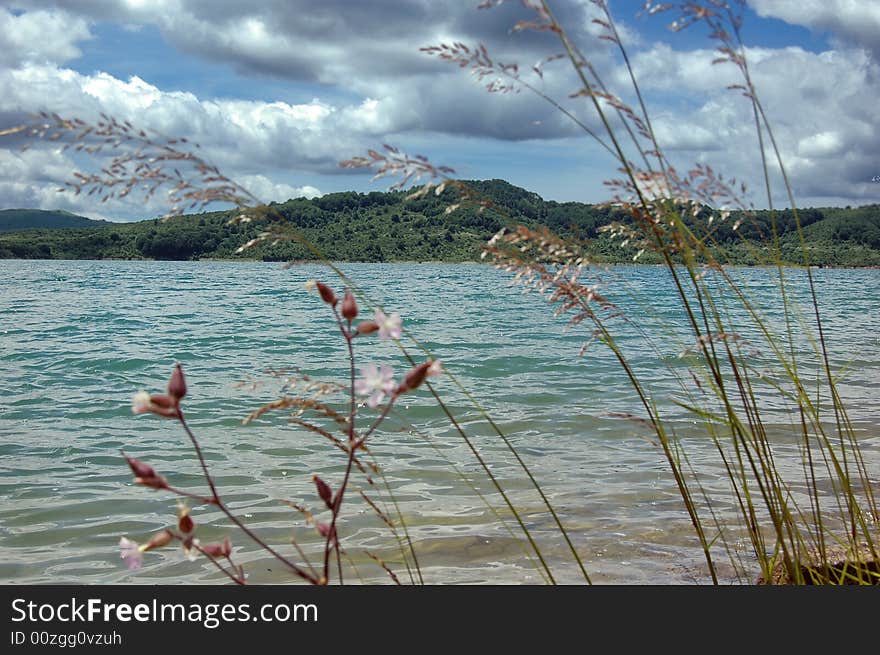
column 185, row 524
column 322, row 528
column 158, row 540
column 184, row 521
column 145, row 474
column 139, row 469
column 177, row 383
column 415, row 377
column 367, row 327
column 218, row 550
column 324, row 491
column 163, row 405
column 327, row 294
column 349, row 306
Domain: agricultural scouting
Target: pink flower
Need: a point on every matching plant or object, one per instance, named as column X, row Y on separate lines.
column 131, row 553
column 435, row 369
column 185, row 522
column 389, row 326
column 375, row 383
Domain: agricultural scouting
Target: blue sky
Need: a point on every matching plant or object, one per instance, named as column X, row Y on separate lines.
column 278, row 92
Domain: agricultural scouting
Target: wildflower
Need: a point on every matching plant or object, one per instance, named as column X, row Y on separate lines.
column 375, row 383
column 349, row 306
column 389, row 326
column 131, row 553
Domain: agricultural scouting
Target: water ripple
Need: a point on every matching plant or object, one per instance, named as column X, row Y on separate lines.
column 77, row 339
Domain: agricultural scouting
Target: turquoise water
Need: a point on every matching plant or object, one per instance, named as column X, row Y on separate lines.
column 78, row 339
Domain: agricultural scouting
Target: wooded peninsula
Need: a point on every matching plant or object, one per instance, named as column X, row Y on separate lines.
column 389, row 227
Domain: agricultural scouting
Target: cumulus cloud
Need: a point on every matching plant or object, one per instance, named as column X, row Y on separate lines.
column 32, row 178
column 268, row 191
column 241, row 137
column 369, row 84
column 820, row 106
column 372, row 49
column 851, row 21
column 334, row 41
column 40, row 37
column 401, row 90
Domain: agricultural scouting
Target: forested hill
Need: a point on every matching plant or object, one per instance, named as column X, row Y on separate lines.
column 12, row 220
column 385, row 226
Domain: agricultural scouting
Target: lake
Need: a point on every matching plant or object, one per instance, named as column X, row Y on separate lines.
column 78, row 339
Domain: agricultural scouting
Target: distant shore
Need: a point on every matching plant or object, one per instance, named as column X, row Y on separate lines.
column 307, row 262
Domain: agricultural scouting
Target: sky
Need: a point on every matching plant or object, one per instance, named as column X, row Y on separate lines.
column 278, row 92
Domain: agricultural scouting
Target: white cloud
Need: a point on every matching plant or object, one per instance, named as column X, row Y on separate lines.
column 853, row 22
column 268, row 191
column 821, row 107
column 40, row 37
column 254, row 143
column 821, row 145
column 32, row 178
column 673, row 133
column 264, row 133
column 380, row 88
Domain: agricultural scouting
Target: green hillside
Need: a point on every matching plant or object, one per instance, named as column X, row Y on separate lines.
column 12, row 220
column 385, row 226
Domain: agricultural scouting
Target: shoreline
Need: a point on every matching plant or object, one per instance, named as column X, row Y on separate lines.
column 308, row 262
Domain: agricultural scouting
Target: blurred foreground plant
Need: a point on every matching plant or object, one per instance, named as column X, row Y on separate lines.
column 380, row 391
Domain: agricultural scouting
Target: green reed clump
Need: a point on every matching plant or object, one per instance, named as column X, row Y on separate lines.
column 811, row 523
